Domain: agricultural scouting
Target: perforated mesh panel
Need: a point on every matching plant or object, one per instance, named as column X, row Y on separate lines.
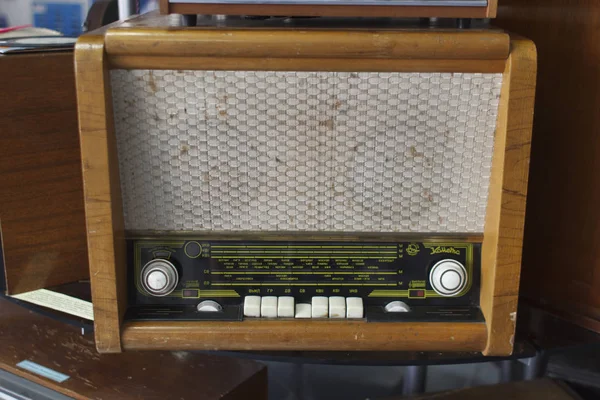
column 305, row 151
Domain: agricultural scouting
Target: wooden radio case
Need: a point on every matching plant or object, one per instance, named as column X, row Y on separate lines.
column 149, row 54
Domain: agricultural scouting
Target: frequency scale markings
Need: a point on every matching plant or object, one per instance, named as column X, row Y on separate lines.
column 301, row 246
column 289, row 265
column 231, row 272
column 299, row 273
column 300, row 284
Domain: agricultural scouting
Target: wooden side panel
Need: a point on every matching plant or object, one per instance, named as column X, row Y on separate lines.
column 503, row 236
column 492, row 9
column 41, row 195
column 304, row 335
column 103, row 205
column 285, row 43
column 561, row 259
column 163, row 6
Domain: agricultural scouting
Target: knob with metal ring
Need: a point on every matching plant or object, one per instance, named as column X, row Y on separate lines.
column 159, row 277
column 448, row 278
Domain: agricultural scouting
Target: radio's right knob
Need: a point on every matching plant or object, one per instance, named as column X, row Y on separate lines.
column 448, row 278
column 159, row 277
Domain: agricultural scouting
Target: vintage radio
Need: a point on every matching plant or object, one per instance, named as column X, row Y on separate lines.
column 336, row 8
column 304, row 189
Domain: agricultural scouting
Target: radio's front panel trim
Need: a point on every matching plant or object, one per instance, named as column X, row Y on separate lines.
column 391, row 281
column 308, row 335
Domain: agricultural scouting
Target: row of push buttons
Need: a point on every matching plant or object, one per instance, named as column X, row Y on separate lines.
column 320, row 307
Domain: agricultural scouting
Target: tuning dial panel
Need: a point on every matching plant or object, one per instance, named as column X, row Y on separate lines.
column 159, row 277
column 448, row 278
column 201, row 279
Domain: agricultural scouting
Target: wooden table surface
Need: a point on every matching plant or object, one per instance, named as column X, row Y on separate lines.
column 26, row 335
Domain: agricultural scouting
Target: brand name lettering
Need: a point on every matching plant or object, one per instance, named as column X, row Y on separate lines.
column 448, row 250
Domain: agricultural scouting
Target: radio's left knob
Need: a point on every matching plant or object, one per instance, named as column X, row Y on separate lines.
column 159, row 277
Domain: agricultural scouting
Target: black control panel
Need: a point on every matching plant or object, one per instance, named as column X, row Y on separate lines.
column 227, row 271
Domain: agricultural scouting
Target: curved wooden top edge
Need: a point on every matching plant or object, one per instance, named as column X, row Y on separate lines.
column 523, row 47
column 308, row 43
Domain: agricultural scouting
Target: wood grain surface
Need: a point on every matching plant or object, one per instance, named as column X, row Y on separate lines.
column 102, row 192
column 163, row 6
column 505, row 217
column 41, row 195
column 134, row 375
column 504, row 224
column 329, row 10
column 561, row 260
column 402, row 44
column 304, row 335
column 492, row 8
column 305, row 64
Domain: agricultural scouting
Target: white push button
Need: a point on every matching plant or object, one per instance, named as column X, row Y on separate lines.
column 285, row 307
column 268, row 307
column 397, row 306
column 303, row 310
column 448, row 278
column 320, row 307
column 209, row 306
column 337, row 307
column 354, row 307
column 252, row 306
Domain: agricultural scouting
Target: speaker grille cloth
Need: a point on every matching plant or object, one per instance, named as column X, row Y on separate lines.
column 305, row 151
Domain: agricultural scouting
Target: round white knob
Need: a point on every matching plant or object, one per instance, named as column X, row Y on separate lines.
column 397, row 306
column 159, row 277
column 448, row 278
column 209, row 306
column 157, row 280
